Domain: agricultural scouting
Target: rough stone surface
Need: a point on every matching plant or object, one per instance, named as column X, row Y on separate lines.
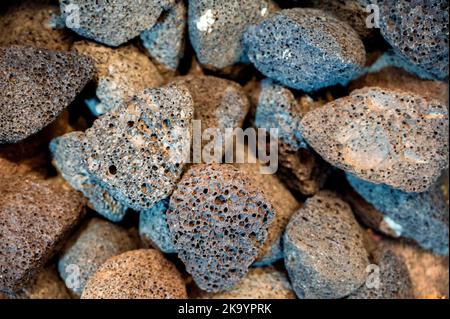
column 115, row 22
column 216, row 29
column 35, row 24
column 122, row 73
column 153, row 227
column 137, row 151
column 259, row 283
column 305, row 49
column 281, row 200
column 324, row 251
column 35, row 216
column 396, row 78
column 351, row 11
column 218, row 104
column 277, row 107
column 87, row 250
column 418, row 31
column 137, row 274
column 429, row 273
column 383, row 136
column 67, row 153
column 165, row 41
column 45, row 285
column 37, row 84
column 394, row 279
column 218, row 222
column 422, row 217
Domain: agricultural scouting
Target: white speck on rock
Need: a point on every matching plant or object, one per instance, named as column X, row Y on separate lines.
column 263, row 11
column 393, row 225
column 206, row 21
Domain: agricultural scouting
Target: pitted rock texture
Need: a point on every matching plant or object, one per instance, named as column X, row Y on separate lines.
column 37, row 84
column 259, row 283
column 351, row 11
column 45, row 285
column 138, row 150
column 87, row 250
column 305, row 49
column 165, row 41
column 35, row 24
column 218, row 222
column 111, row 22
column 32, row 153
column 277, row 107
column 218, row 103
column 384, row 136
column 35, row 217
column 418, row 31
column 153, row 227
column 429, row 272
column 323, row 249
column 422, row 217
column 136, row 274
column 122, row 73
column 216, row 29
column 394, row 279
column 396, row 78
column 280, row 198
column 67, row 153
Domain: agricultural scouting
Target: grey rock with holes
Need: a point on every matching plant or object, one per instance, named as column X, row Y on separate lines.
column 137, row 151
column 418, row 31
column 165, row 41
column 37, row 85
column 305, row 49
column 324, row 251
column 111, row 22
column 422, row 217
column 218, row 221
column 383, row 136
column 88, row 249
column 67, row 153
column 216, row 29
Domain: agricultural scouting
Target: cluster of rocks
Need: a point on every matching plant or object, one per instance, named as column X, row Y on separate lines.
column 104, row 195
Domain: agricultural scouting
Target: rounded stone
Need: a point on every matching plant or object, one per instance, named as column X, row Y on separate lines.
column 305, row 49
column 216, row 29
column 323, row 249
column 36, row 216
column 87, row 250
column 218, row 221
column 383, row 136
column 115, row 22
column 136, row 274
column 38, row 84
